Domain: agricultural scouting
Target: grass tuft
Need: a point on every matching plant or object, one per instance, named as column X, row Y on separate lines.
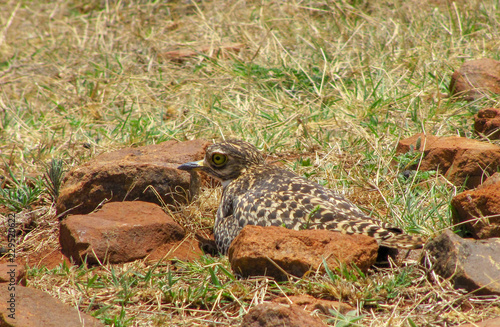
column 53, row 176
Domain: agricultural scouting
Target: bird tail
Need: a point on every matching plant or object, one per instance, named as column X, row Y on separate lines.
column 403, row 241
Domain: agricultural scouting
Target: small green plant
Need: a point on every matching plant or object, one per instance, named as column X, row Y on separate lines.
column 393, row 285
column 304, row 163
column 21, row 193
column 349, row 319
column 120, row 320
column 351, row 275
column 54, row 173
column 408, row 160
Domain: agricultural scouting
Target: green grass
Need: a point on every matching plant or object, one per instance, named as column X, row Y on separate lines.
column 326, row 88
column 21, row 192
column 120, row 295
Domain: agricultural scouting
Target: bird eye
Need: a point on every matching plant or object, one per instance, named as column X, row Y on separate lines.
column 219, row 159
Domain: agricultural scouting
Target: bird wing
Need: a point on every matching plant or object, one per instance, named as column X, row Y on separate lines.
column 297, row 203
column 285, row 199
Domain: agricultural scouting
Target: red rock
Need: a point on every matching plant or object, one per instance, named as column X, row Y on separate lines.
column 46, row 257
column 12, row 273
column 478, row 210
column 490, row 181
column 471, row 264
column 254, row 250
column 487, row 123
column 278, row 315
column 131, row 174
column 119, row 232
column 310, row 303
column 475, row 79
column 36, row 308
column 49, row 258
column 495, row 322
column 459, row 159
column 186, row 250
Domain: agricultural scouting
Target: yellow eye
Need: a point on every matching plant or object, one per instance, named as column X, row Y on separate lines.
column 219, row 159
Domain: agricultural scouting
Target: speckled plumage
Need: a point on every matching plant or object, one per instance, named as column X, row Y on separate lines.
column 259, row 194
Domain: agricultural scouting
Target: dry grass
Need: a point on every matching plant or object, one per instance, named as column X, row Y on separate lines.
column 326, row 88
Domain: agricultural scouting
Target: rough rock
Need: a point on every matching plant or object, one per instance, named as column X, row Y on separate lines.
column 473, row 265
column 478, row 210
column 256, row 250
column 495, row 322
column 12, row 273
column 186, row 250
column 487, row 123
column 459, row 159
column 49, row 258
column 132, row 174
column 310, row 303
column 279, row 315
column 120, row 232
column 36, row 308
column 475, row 79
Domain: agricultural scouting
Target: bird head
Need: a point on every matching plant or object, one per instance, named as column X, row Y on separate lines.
column 226, row 160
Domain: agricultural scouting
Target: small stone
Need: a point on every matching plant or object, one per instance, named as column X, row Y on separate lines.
column 279, row 315
column 459, row 159
column 476, row 79
column 33, row 308
column 478, row 210
column 487, row 123
column 472, row 264
column 257, row 250
column 129, row 174
column 119, row 232
column 310, row 303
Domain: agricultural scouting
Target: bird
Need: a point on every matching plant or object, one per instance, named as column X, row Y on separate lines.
column 256, row 193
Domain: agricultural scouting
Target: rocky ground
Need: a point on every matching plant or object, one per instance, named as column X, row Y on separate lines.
column 98, row 225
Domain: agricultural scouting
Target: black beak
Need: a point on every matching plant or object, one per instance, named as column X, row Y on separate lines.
column 191, row 165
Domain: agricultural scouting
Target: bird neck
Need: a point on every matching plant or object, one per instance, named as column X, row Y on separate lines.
column 226, row 183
